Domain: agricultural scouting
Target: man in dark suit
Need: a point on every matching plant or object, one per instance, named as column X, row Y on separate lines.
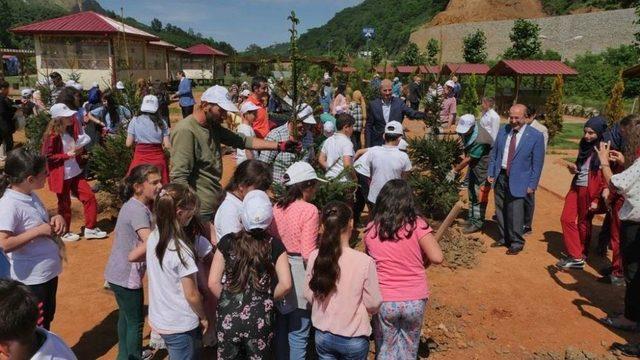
column 415, row 93
column 514, row 170
column 384, row 109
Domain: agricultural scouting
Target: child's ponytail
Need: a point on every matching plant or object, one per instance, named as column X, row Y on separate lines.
column 137, row 176
column 19, row 165
column 171, row 198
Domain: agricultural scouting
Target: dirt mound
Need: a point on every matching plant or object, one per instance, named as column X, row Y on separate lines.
column 444, row 329
column 461, row 250
column 464, row 11
column 570, row 354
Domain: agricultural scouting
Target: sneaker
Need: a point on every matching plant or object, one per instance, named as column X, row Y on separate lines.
column 147, row 354
column 106, row 285
column 70, row 237
column 612, row 279
column 94, row 233
column 570, row 263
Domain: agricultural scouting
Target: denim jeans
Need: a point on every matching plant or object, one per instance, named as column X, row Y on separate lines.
column 292, row 334
column 4, row 266
column 335, row 347
column 184, row 346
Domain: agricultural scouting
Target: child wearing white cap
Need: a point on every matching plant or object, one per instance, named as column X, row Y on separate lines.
column 62, row 145
column 296, row 222
column 150, row 135
column 387, row 162
column 249, row 111
column 256, row 271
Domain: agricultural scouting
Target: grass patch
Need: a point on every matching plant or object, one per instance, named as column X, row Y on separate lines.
column 572, row 131
column 567, row 139
column 560, row 143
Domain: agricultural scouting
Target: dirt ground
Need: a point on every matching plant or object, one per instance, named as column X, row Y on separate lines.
column 464, row 11
column 506, row 307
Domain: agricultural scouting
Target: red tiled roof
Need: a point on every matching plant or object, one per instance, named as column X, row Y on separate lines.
column 406, row 69
column 428, row 69
column 465, row 69
column 86, row 22
column 204, row 49
column 380, row 69
column 531, row 67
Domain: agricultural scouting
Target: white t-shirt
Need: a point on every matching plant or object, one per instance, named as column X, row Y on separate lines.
column 53, row 348
column 385, row 163
column 71, row 167
column 335, row 148
column 169, row 311
column 38, row 261
column 362, row 164
column 247, row 131
column 227, row 219
column 490, row 121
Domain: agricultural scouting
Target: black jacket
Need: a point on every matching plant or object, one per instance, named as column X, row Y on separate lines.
column 374, row 128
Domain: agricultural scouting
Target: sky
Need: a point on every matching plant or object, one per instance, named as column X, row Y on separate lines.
column 238, row 22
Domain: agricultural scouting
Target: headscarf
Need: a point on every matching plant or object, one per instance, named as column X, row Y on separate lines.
column 358, row 98
column 615, row 136
column 599, row 125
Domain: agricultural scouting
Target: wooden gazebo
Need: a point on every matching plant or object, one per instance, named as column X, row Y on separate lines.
column 517, row 69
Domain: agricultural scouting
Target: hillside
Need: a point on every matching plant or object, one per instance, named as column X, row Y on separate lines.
column 19, row 12
column 393, row 25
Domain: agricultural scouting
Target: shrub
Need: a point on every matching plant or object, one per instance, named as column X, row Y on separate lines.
column 614, row 111
column 110, row 161
column 34, row 130
column 432, row 159
column 470, row 101
column 555, row 108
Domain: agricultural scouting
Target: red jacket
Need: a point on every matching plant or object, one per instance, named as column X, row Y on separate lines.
column 261, row 125
column 53, row 150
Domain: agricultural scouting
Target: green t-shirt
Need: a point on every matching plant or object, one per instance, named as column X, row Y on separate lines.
column 196, row 158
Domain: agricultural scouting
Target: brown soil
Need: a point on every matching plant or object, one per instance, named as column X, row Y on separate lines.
column 464, row 11
column 505, row 307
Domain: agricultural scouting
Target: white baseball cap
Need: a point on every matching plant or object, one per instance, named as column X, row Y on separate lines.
column 26, row 92
column 394, row 127
column 257, row 211
column 465, row 123
column 403, row 145
column 248, row 106
column 450, row 84
column 245, row 93
column 70, row 83
column 149, row 104
column 305, row 112
column 120, row 85
column 61, row 110
column 300, row 172
column 95, row 84
column 328, row 128
column 78, row 86
column 219, row 95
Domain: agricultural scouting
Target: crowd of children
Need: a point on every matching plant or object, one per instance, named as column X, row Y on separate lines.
column 256, row 276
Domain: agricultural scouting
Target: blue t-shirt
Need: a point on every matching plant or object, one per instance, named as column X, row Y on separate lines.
column 144, row 131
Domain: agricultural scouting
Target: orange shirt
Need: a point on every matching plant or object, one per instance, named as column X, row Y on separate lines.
column 261, row 123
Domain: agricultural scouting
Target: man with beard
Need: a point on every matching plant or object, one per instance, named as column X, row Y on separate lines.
column 195, row 147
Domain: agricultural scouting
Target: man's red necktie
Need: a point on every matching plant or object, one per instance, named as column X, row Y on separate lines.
column 512, row 150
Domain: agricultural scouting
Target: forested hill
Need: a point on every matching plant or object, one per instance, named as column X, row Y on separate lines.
column 394, row 21
column 19, row 12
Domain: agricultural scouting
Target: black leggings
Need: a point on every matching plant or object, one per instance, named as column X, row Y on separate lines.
column 630, row 251
column 46, row 295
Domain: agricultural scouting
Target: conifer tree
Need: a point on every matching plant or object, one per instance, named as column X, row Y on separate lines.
column 614, row 110
column 553, row 118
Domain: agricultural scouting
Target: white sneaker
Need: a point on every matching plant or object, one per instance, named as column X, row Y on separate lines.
column 70, row 237
column 94, row 233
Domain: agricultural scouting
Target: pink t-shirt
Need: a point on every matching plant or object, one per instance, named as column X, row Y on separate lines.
column 448, row 108
column 400, row 263
column 297, row 227
column 346, row 311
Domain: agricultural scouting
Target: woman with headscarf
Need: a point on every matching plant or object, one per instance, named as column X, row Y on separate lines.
column 358, row 109
column 583, row 199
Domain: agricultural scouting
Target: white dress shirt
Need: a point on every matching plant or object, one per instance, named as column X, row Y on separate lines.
column 505, row 154
column 386, row 110
column 490, row 121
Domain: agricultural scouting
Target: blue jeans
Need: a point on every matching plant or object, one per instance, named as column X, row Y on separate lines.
column 336, row 347
column 292, row 334
column 184, row 346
